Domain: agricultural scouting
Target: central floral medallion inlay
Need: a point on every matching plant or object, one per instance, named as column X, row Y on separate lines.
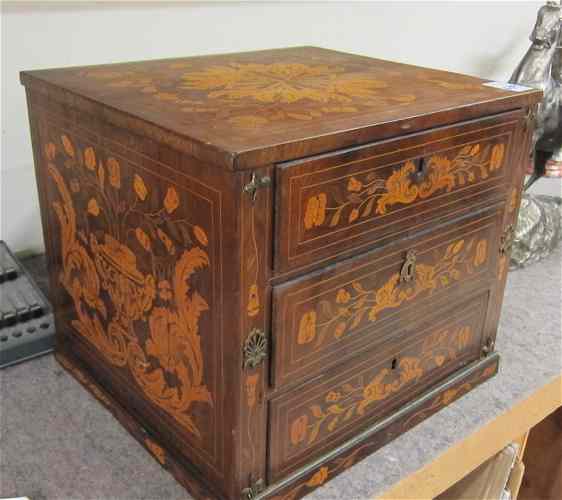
column 249, row 96
column 283, row 83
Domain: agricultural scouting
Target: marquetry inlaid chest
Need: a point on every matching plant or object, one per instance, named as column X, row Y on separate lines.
column 269, row 264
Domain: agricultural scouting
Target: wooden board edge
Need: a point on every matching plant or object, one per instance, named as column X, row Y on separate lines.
column 465, row 456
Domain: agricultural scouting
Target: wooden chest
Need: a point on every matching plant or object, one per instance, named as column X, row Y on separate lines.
column 267, row 265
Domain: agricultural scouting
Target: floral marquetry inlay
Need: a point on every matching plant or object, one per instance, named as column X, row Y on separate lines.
column 282, row 82
column 285, row 90
column 353, row 305
column 342, row 404
column 368, row 195
column 144, row 319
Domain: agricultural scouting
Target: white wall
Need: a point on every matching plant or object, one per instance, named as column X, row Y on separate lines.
column 480, row 38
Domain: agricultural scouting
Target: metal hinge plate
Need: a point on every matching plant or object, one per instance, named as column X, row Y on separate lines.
column 256, row 183
column 530, row 118
column 488, row 347
column 506, row 240
column 254, row 490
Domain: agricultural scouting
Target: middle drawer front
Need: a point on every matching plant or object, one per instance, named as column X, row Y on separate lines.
column 324, row 318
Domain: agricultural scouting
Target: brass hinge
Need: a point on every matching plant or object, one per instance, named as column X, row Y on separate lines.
column 506, row 240
column 255, row 348
column 254, row 490
column 488, row 347
column 530, row 119
column 256, row 183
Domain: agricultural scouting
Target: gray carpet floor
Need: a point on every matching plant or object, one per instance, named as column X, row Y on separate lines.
column 57, row 442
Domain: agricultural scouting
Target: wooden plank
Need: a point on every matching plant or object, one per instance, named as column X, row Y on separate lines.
column 543, row 461
column 465, row 456
column 521, row 441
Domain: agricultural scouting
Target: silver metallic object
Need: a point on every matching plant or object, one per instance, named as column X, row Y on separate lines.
column 539, row 225
column 541, row 68
column 538, row 231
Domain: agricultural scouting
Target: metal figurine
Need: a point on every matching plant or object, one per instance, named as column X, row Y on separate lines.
column 541, row 68
column 539, row 225
column 553, row 142
column 538, row 231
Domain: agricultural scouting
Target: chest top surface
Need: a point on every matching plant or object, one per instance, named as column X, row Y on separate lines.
column 254, row 108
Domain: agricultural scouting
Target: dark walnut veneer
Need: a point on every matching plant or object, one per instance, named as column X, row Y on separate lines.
column 267, row 265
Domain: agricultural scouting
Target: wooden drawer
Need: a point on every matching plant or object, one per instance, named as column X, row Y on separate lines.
column 333, row 204
column 326, row 317
column 323, row 413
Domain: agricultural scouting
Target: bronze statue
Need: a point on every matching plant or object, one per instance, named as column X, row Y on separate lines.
column 539, row 225
column 541, row 68
column 553, row 142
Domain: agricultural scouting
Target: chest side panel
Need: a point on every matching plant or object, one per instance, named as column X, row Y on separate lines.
column 135, row 250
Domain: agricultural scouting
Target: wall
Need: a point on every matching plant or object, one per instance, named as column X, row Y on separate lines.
column 483, row 39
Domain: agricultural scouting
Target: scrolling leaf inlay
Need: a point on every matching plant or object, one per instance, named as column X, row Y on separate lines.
column 114, row 301
column 353, row 304
column 368, row 194
column 348, row 401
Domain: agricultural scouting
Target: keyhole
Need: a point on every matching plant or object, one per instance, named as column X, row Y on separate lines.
column 394, row 363
column 421, row 170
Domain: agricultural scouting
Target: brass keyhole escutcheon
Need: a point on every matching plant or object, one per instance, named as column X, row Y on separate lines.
column 408, row 271
column 420, row 174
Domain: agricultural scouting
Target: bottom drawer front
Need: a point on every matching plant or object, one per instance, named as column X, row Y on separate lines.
column 313, row 418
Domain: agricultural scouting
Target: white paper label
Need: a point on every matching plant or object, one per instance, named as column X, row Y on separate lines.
column 508, row 86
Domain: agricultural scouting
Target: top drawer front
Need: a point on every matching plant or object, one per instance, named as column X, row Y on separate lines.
column 331, row 205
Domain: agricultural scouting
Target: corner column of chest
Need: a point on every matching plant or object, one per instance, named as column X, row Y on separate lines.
column 521, row 155
column 255, row 202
